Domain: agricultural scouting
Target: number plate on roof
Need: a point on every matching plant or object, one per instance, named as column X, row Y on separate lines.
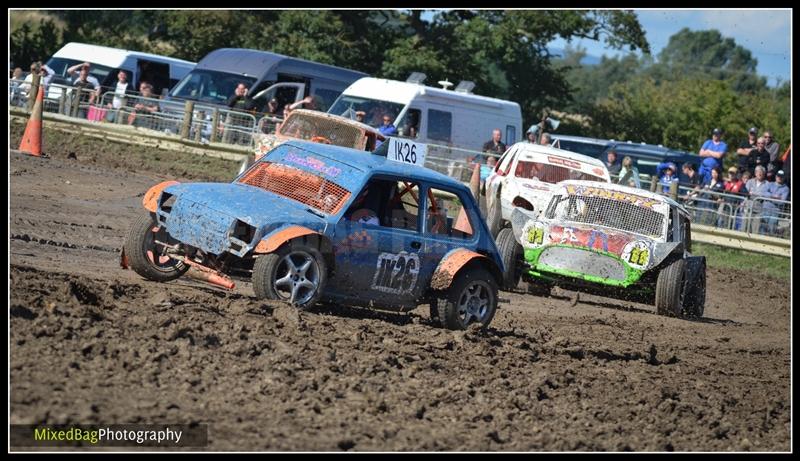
column 405, row 151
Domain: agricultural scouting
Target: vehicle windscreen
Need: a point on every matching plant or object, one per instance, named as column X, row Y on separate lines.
column 209, row 86
column 374, row 109
column 60, row 66
column 642, row 217
column 550, row 173
column 321, row 129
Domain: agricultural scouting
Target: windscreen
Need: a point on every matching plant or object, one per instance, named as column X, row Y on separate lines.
column 373, row 109
column 551, row 174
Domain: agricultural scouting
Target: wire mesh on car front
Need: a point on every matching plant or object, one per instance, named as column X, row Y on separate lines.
column 322, row 129
column 297, row 185
column 611, row 213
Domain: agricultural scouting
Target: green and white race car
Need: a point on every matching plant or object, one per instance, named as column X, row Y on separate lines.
column 609, row 240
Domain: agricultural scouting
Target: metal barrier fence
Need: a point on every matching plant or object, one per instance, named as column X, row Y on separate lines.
column 206, row 124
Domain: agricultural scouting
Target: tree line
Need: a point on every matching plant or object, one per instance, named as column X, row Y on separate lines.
column 701, row 80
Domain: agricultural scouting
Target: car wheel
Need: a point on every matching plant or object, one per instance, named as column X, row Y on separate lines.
column 511, row 253
column 295, row 274
column 147, row 257
column 494, row 217
column 670, row 289
column 471, row 298
column 696, row 295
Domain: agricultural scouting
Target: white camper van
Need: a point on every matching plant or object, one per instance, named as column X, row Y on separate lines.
column 161, row 71
column 436, row 116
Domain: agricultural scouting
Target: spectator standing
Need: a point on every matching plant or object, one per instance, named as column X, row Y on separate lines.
column 122, row 89
column 14, row 87
column 628, row 172
column 757, row 188
column 240, row 100
column 772, row 210
column 545, row 141
column 712, row 151
column 694, row 181
column 493, row 146
column 758, row 156
column 712, row 200
column 774, row 150
column 83, row 83
column 612, row 163
column 272, row 107
column 743, row 152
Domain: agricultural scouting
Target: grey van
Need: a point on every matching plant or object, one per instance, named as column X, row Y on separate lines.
column 267, row 75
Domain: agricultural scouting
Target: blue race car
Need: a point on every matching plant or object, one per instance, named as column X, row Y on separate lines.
column 313, row 222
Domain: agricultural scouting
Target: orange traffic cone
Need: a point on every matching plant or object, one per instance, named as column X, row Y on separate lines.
column 475, row 181
column 32, row 138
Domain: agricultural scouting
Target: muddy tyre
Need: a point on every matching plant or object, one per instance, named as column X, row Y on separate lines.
column 494, row 217
column 472, row 297
column 670, row 289
column 511, row 253
column 695, row 302
column 146, row 257
column 295, row 274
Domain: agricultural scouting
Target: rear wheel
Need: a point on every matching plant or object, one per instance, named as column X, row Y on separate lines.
column 295, row 274
column 471, row 298
column 511, row 253
column 149, row 258
column 669, row 289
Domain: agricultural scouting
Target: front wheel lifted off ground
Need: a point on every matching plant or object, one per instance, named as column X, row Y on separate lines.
column 472, row 297
column 294, row 274
column 147, row 257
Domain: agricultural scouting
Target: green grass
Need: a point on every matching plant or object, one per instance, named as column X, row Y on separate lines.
column 728, row 258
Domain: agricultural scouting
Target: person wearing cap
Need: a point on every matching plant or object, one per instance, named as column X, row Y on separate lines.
column 713, row 151
column 666, row 172
column 771, row 211
column 745, row 147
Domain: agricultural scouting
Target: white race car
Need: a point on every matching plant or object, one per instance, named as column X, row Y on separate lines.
column 526, row 176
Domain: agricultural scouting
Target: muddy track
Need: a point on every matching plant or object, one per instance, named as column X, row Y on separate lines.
column 92, row 343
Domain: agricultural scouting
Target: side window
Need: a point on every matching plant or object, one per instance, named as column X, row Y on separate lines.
column 386, row 203
column 505, row 163
column 445, row 215
column 155, row 73
column 440, row 125
column 511, row 135
column 408, row 127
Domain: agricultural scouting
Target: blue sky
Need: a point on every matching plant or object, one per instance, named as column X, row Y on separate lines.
column 766, row 33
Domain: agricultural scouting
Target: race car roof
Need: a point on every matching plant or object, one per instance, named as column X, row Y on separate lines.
column 366, row 162
column 626, row 189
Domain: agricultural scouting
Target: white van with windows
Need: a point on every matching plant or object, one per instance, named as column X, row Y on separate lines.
column 161, row 71
column 446, row 120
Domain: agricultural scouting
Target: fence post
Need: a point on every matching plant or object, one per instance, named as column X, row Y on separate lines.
column 214, row 125
column 653, row 183
column 62, row 101
column 198, row 135
column 76, row 102
column 188, row 110
column 34, row 92
column 226, row 132
column 673, row 190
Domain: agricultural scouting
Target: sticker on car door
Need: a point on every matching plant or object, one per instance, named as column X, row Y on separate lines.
column 396, row 273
